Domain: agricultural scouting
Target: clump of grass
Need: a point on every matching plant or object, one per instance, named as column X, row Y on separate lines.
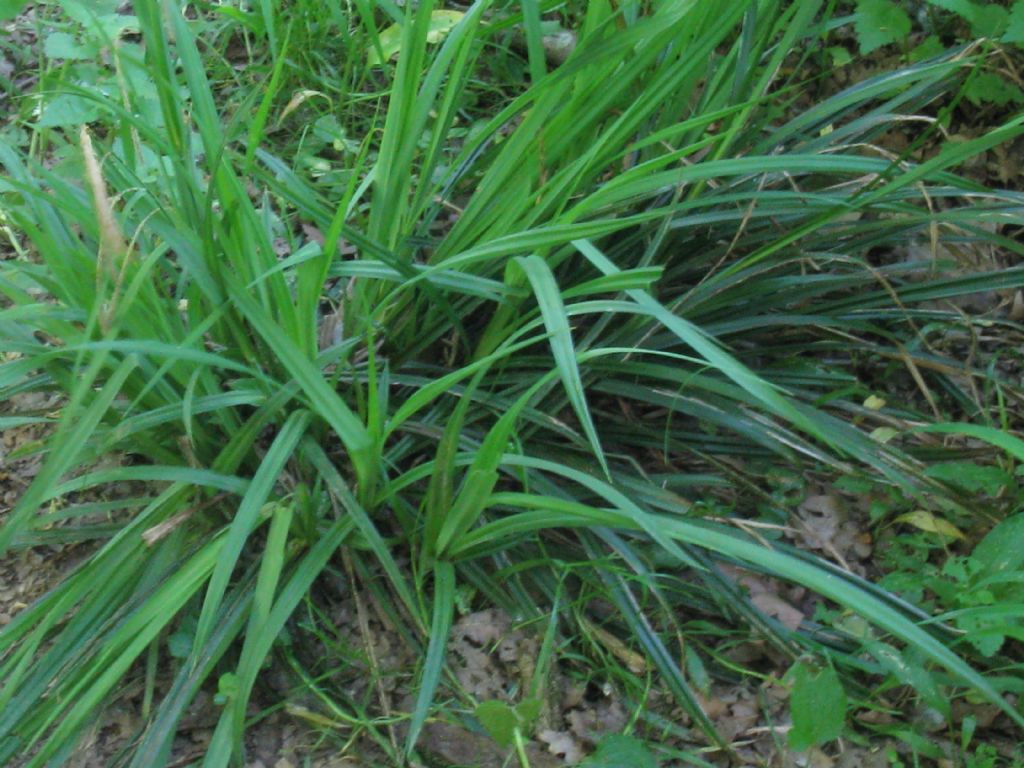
column 575, row 320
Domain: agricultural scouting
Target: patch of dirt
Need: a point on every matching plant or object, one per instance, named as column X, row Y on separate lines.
column 25, row 574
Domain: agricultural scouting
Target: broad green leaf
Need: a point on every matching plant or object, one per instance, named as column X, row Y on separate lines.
column 992, row 88
column 528, row 710
column 11, row 8
column 441, row 23
column 907, row 668
column 61, row 45
column 971, row 477
column 499, row 720
column 839, row 55
column 100, row 19
column 1015, row 26
column 990, row 20
column 966, row 8
column 68, row 110
column 619, row 750
column 985, row 633
column 817, row 703
column 1002, row 549
column 179, row 644
column 83, row 10
column 932, row 46
column 880, row 22
column 987, row 19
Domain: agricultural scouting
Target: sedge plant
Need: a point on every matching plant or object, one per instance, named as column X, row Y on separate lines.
column 642, row 271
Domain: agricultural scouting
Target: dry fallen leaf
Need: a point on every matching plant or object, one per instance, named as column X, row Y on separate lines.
column 774, row 606
column 1017, row 308
column 765, row 597
column 636, row 663
column 926, row 521
column 822, row 515
column 562, row 744
column 297, row 100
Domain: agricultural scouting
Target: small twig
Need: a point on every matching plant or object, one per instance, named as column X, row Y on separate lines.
column 152, row 535
column 364, row 630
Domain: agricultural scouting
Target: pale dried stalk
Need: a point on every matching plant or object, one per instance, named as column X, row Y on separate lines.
column 112, row 256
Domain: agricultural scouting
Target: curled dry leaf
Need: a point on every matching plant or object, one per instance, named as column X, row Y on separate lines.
column 774, row 606
column 764, row 595
column 562, row 744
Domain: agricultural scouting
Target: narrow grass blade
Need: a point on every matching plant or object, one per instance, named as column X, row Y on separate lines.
column 267, row 620
column 77, row 425
column 433, row 664
column 709, row 349
column 557, row 323
column 245, row 520
column 1012, row 445
column 325, row 399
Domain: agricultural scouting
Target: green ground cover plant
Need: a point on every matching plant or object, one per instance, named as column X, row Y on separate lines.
column 363, row 281
column 924, row 29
